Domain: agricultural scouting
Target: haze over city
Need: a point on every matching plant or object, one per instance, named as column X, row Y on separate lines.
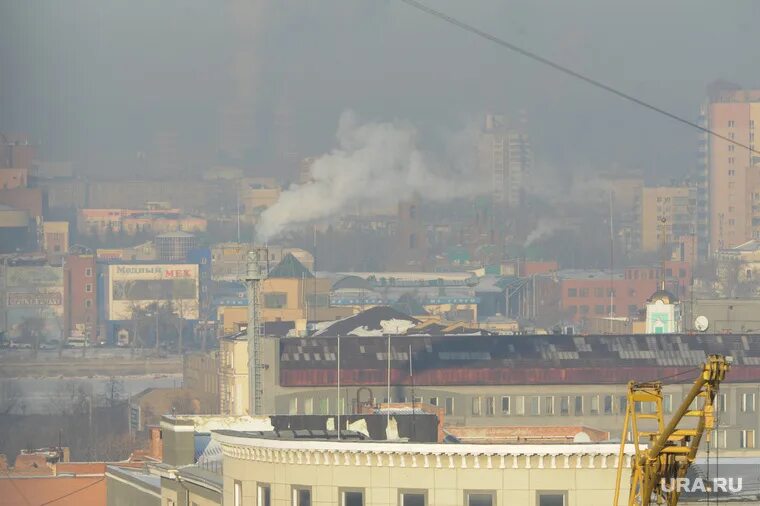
column 245, row 245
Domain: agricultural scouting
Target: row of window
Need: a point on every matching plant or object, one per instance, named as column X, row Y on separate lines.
column 535, row 405
column 302, row 496
column 598, row 309
column 746, row 439
column 584, row 292
column 321, row 406
column 581, row 405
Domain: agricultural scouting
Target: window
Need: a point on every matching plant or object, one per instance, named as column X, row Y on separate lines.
column 622, row 404
column 88, row 288
column 520, row 405
column 237, row 494
column 599, row 309
column 534, row 405
column 731, row 123
column 730, row 147
column 722, row 401
column 301, row 496
column 479, row 498
column 608, row 404
column 88, row 303
column 553, row 498
column 264, row 495
column 308, row 406
column 476, row 406
column 747, row 439
column 584, row 292
column 352, row 497
column 549, row 405
column 505, row 405
column 599, row 292
column 594, row 404
column 449, row 405
column 719, row 438
column 572, row 292
column 578, row 405
column 275, row 300
column 434, row 401
column 564, row 405
column 88, row 272
column 412, row 498
column 293, row 406
column 748, row 403
column 324, row 406
column 667, row 403
column 490, row 406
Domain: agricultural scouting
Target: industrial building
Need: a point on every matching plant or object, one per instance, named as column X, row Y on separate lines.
column 510, row 380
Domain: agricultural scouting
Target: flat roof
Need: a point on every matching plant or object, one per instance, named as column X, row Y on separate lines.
column 242, row 439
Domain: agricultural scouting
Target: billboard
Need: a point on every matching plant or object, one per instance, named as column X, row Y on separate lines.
column 33, row 301
column 137, row 286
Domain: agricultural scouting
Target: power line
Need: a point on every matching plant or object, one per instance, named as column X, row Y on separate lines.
column 565, row 70
column 26, row 501
column 72, row 492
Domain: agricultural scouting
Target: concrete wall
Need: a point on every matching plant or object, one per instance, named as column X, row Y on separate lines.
column 121, row 493
column 732, row 421
column 184, row 493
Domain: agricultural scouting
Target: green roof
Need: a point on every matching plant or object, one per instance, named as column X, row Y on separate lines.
column 290, row 267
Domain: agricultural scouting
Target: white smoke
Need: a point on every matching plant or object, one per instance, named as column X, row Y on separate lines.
column 376, row 165
column 544, row 228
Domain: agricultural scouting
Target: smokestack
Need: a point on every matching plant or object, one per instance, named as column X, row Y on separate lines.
column 254, row 277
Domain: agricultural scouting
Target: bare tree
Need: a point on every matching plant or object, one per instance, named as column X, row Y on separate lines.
column 113, row 392
column 32, row 328
column 181, row 309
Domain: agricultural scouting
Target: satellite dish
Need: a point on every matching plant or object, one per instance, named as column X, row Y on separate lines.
column 701, row 323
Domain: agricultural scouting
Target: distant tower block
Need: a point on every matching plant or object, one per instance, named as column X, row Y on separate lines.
column 255, row 274
column 411, row 248
column 505, row 156
column 304, row 174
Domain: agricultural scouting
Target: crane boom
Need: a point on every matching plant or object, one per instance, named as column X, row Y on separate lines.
column 665, row 452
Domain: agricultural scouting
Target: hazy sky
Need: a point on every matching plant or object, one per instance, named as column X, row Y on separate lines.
column 94, row 79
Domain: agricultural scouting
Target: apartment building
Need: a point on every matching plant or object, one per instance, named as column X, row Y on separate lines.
column 666, row 213
column 731, row 172
column 506, row 158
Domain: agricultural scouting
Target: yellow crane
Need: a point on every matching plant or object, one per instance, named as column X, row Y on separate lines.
column 665, row 452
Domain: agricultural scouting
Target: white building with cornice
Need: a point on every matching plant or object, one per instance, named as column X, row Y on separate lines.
column 266, row 469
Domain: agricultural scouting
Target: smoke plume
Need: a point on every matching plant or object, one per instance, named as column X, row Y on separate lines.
column 544, row 228
column 375, row 165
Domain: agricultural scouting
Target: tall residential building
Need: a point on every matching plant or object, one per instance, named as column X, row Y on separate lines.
column 665, row 214
column 505, row 156
column 731, row 181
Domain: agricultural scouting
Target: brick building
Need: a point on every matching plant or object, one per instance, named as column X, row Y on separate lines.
column 80, row 297
column 587, row 293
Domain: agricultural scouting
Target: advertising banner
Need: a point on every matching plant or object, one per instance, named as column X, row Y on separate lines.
column 135, row 287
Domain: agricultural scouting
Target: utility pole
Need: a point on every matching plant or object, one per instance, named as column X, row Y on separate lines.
column 157, row 338
column 340, row 404
column 612, row 265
